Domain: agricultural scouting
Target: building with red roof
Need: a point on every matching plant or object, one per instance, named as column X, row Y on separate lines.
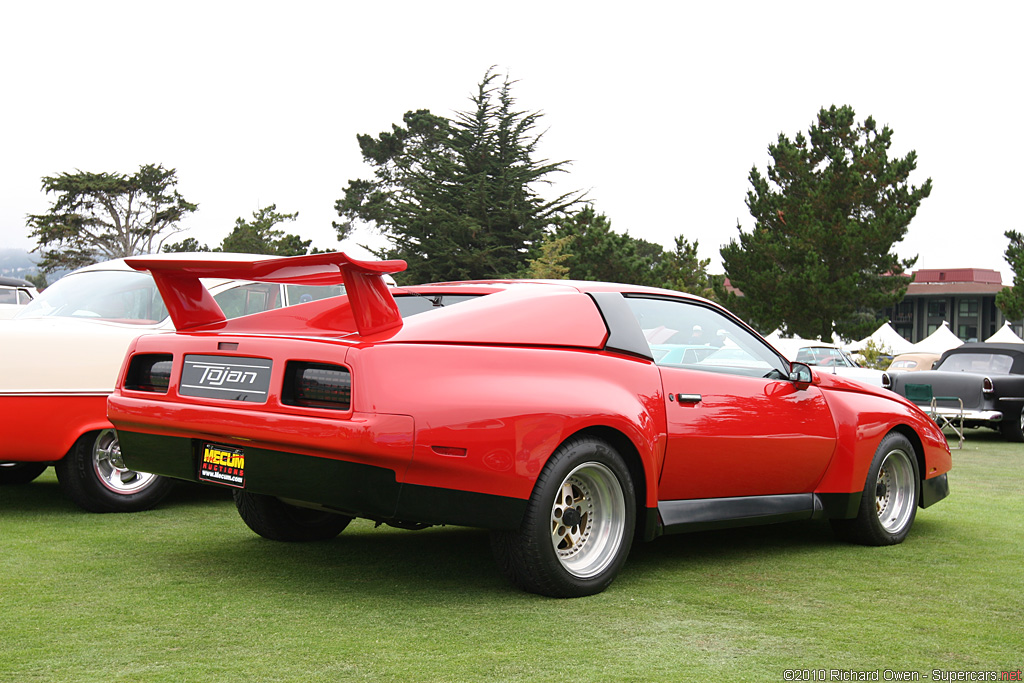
column 964, row 297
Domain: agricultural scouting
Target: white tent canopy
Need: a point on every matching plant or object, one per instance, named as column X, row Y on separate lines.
column 1005, row 335
column 884, row 337
column 938, row 341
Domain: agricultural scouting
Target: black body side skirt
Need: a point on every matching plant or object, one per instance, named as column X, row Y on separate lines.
column 680, row 516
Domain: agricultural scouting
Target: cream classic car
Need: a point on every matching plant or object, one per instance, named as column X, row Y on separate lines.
column 61, row 357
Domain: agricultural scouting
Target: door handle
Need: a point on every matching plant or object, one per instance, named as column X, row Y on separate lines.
column 685, row 398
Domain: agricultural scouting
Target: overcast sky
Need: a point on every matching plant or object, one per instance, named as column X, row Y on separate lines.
column 662, row 108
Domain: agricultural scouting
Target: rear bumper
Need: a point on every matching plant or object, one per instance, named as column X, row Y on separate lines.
column 968, row 415
column 353, row 488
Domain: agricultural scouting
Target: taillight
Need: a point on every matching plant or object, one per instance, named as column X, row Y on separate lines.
column 886, row 381
column 317, row 385
column 149, row 372
column 986, row 386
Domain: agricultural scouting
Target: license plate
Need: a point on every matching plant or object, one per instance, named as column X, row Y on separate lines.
column 222, row 465
column 226, row 377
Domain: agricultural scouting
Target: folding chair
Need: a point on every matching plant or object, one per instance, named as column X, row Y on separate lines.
column 951, row 416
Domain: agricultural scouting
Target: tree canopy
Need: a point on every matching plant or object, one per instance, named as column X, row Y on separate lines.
column 597, row 252
column 259, row 236
column 1011, row 299
column 583, row 246
column 457, row 198
column 101, row 216
column 827, row 216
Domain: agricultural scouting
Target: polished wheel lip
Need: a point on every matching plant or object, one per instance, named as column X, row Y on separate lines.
column 894, row 491
column 110, row 468
column 592, row 500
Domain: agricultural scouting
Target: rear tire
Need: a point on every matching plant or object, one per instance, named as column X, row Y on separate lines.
column 891, row 494
column 279, row 521
column 578, row 526
column 15, row 473
column 94, row 476
column 1013, row 428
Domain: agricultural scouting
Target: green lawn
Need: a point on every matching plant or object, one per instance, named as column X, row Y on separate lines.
column 187, row 593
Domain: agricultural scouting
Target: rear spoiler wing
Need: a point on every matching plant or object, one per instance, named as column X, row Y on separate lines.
column 191, row 305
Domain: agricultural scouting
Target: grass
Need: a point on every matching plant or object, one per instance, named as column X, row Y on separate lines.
column 187, row 593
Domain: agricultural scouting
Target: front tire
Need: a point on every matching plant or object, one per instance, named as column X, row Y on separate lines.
column 578, row 526
column 891, row 494
column 279, row 521
column 14, row 473
column 94, row 476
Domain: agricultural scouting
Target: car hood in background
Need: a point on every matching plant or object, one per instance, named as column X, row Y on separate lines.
column 866, row 375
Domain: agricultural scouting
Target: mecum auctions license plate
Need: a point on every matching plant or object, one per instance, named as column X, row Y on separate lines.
column 222, row 465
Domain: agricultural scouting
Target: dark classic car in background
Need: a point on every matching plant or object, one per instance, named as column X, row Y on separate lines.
column 15, row 293
column 565, row 417
column 987, row 378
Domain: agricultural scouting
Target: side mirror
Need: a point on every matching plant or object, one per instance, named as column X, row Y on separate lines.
column 800, row 373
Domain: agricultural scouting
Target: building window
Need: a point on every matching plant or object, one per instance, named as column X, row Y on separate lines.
column 936, row 309
column 968, row 332
column 968, row 308
column 904, row 312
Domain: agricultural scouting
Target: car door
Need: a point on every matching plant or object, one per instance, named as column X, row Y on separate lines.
column 737, row 426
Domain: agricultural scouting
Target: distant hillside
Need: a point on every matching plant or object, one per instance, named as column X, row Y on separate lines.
column 17, row 262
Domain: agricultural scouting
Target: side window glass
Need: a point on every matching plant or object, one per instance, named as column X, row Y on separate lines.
column 23, row 297
column 250, row 298
column 300, row 294
column 690, row 335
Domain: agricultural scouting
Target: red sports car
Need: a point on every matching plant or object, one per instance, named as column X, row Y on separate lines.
column 568, row 418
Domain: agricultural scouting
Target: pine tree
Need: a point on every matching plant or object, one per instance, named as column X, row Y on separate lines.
column 457, row 199
column 826, row 219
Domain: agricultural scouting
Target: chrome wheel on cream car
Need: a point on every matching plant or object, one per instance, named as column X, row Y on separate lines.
column 93, row 475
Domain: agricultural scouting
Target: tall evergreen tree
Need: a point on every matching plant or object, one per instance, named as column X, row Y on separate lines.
column 1011, row 299
column 826, row 219
column 457, row 199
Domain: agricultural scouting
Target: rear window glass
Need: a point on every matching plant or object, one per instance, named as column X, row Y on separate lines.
column 412, row 304
column 982, row 363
